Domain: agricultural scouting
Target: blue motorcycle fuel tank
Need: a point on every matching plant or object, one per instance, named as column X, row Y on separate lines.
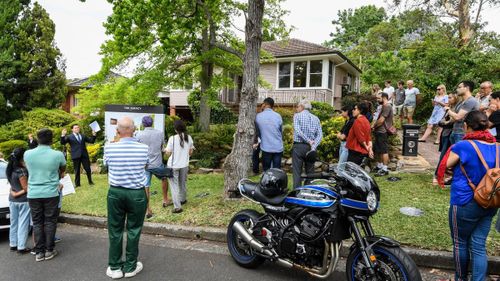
column 312, row 196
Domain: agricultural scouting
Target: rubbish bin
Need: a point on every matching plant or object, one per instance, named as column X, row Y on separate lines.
column 410, row 139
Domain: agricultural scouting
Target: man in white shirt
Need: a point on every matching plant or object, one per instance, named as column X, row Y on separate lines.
column 389, row 90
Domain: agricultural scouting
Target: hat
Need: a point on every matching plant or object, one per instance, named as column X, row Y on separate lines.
column 147, row 121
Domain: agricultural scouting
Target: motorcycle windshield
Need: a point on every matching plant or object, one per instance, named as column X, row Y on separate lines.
column 353, row 173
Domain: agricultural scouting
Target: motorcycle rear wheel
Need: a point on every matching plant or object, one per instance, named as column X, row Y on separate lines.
column 394, row 265
column 240, row 251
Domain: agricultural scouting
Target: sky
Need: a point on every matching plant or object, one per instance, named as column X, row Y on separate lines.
column 80, row 31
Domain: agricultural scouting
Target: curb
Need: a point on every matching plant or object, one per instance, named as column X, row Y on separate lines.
column 423, row 258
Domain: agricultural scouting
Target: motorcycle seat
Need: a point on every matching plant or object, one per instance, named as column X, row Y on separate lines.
column 253, row 191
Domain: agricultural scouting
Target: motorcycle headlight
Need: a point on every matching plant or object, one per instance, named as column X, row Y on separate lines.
column 371, row 200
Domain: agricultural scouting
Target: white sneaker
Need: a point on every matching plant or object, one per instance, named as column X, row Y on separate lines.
column 114, row 274
column 138, row 268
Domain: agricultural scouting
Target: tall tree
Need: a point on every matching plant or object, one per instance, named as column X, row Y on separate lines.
column 466, row 13
column 238, row 161
column 352, row 25
column 175, row 40
column 31, row 66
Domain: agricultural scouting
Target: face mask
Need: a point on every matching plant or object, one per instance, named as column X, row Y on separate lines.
column 381, row 102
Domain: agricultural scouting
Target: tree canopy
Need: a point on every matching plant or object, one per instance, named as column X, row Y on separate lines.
column 418, row 45
column 31, row 66
column 173, row 42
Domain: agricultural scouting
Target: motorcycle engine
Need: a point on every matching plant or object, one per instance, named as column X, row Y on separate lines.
column 293, row 242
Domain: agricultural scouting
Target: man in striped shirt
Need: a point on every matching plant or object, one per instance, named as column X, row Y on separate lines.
column 307, row 135
column 126, row 161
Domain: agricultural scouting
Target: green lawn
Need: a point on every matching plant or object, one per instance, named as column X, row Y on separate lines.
column 429, row 231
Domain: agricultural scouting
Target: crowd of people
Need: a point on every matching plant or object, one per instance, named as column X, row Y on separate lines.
column 465, row 123
column 36, row 192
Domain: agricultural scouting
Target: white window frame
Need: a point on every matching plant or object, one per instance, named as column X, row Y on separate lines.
column 292, row 70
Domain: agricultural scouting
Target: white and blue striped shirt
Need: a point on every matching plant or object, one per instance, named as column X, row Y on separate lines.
column 126, row 161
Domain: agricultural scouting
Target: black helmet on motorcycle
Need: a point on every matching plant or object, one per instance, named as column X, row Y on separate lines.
column 274, row 182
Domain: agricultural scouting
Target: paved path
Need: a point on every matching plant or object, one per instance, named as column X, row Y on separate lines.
column 429, row 151
column 83, row 256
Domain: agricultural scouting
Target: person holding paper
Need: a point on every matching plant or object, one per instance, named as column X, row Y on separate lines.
column 79, row 153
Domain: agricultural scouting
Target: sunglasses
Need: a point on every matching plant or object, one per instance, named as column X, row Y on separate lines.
column 439, row 89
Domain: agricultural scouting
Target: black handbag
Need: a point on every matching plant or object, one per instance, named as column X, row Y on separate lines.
column 446, row 122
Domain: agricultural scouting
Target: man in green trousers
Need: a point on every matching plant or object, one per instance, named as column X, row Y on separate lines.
column 126, row 161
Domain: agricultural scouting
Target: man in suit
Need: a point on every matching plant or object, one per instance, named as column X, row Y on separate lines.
column 32, row 142
column 79, row 153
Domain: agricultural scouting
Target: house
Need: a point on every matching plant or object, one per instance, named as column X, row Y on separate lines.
column 298, row 70
column 74, row 87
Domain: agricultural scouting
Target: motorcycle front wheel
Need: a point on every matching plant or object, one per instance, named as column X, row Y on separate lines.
column 240, row 251
column 394, row 264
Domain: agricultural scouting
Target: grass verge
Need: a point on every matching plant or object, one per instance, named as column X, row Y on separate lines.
column 207, row 207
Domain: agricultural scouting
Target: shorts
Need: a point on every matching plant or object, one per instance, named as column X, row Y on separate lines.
column 380, row 144
column 409, row 110
column 397, row 109
column 160, row 173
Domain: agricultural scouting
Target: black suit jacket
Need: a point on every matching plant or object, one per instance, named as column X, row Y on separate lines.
column 78, row 149
column 32, row 144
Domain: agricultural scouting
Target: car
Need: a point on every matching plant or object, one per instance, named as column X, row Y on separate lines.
column 4, row 197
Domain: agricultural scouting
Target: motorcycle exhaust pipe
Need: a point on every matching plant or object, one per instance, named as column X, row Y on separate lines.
column 250, row 240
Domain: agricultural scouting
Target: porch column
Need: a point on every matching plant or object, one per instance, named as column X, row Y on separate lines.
column 172, row 110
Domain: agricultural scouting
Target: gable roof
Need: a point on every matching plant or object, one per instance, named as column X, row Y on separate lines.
column 83, row 83
column 296, row 47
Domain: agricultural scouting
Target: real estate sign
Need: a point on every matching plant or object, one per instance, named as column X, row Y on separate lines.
column 113, row 113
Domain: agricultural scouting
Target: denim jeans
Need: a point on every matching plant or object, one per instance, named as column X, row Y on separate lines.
column 456, row 137
column 469, row 226
column 271, row 160
column 160, row 172
column 19, row 224
column 44, row 213
column 343, row 152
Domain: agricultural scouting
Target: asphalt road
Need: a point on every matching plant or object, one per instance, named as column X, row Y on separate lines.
column 83, row 256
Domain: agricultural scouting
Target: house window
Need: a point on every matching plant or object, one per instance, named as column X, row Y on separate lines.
column 300, row 74
column 75, row 101
column 330, row 75
column 315, row 73
column 284, row 74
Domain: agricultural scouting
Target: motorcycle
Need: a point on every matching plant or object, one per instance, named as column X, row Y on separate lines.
column 304, row 229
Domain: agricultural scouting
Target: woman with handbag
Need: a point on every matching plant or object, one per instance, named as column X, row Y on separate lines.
column 439, row 102
column 469, row 222
column 180, row 147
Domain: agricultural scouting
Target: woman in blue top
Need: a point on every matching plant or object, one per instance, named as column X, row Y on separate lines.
column 469, row 222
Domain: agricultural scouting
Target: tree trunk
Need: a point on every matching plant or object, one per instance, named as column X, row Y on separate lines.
column 464, row 25
column 238, row 162
column 207, row 71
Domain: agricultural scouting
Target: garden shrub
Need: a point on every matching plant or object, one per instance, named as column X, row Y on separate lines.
column 287, row 140
column 322, row 110
column 169, row 125
column 214, row 145
column 35, row 120
column 7, row 147
column 286, row 114
column 329, row 147
column 95, row 151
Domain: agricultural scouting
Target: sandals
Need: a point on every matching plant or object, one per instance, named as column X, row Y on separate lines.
column 168, row 203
